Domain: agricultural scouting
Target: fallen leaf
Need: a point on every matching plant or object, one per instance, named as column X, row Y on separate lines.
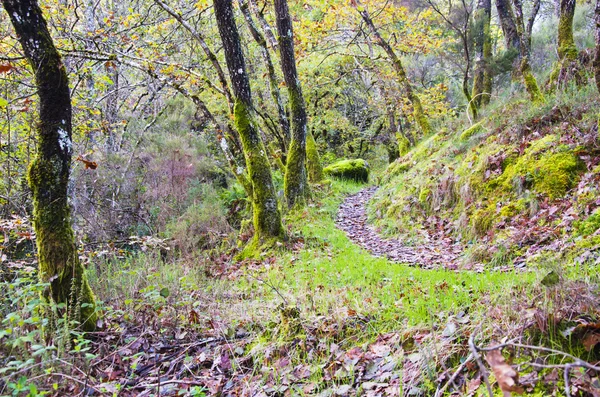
column 506, row 376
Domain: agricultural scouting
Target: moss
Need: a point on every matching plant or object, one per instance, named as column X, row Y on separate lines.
column 589, row 225
column 313, row 160
column 357, row 170
column 403, row 144
column 471, row 131
column 266, row 215
column 58, row 259
column 424, row 195
column 531, row 85
column 566, row 43
column 549, row 173
column 419, row 115
column 482, row 220
column 512, row 209
column 294, row 182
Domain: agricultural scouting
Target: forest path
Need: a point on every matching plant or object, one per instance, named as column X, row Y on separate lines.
column 436, row 253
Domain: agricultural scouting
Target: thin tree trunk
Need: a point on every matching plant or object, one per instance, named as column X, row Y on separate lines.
column 265, row 25
column 48, row 176
column 483, row 51
column 295, row 171
column 529, row 79
column 414, row 99
column 273, row 83
column 267, row 218
column 205, row 48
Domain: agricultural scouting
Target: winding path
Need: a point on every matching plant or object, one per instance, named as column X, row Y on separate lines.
column 352, row 219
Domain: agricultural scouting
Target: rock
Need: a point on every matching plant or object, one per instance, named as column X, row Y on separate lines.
column 356, row 170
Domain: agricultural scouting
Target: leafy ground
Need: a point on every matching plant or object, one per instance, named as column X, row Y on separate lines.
column 501, row 242
column 320, row 317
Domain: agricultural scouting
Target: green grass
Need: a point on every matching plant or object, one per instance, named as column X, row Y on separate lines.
column 332, row 276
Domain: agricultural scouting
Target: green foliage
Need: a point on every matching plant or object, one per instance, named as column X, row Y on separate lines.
column 204, row 224
column 356, row 170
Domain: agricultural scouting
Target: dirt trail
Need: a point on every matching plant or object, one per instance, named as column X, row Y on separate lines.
column 435, row 254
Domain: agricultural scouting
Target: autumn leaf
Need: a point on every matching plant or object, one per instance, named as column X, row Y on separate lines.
column 506, row 376
column 5, row 68
column 92, row 165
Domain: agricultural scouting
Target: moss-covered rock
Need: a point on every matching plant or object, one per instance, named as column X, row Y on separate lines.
column 356, row 170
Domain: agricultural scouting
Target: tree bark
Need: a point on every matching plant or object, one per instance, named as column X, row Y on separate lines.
column 273, row 83
column 295, row 170
column 566, row 43
column 48, row 175
column 482, row 81
column 414, row 99
column 509, row 28
column 567, row 66
column 265, row 25
column 267, row 218
column 529, row 79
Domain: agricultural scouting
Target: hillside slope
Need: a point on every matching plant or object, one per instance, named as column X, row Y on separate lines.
column 517, row 188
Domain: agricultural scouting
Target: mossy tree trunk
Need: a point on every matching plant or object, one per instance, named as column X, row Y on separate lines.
column 567, row 66
column 295, row 185
column 313, row 159
column 267, row 218
column 418, row 113
column 529, row 80
column 566, row 43
column 284, row 124
column 58, row 261
column 597, row 54
column 509, row 28
column 482, row 80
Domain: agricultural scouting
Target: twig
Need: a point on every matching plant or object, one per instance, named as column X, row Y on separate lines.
column 482, row 369
column 441, row 391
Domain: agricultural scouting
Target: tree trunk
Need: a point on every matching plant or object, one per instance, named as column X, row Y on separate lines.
column 483, row 50
column 597, row 54
column 295, row 172
column 509, row 28
column 566, row 43
column 267, row 219
column 273, row 83
column 567, row 66
column 414, row 99
column 313, row 160
column 529, row 79
column 58, row 261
